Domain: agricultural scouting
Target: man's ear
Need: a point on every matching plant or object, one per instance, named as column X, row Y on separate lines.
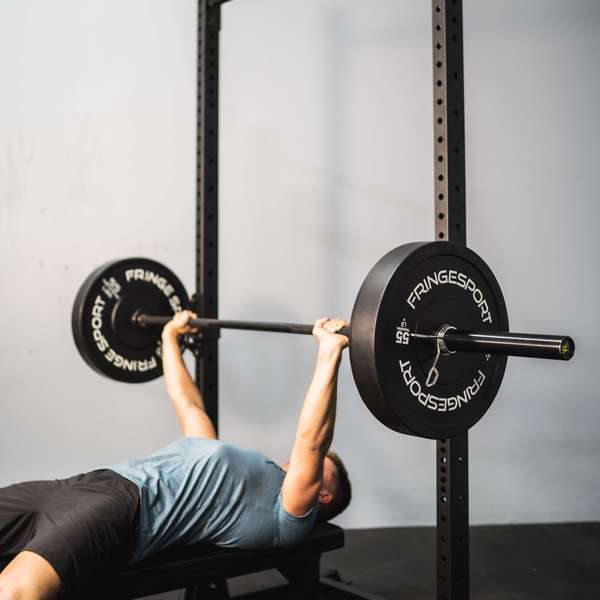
column 325, row 497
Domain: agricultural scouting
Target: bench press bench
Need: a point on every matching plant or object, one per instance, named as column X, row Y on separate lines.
column 203, row 570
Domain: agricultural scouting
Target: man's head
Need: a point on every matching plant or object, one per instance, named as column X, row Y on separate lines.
column 336, row 491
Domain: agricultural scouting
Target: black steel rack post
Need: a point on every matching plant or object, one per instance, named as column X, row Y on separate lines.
column 207, row 205
column 450, row 224
column 206, row 299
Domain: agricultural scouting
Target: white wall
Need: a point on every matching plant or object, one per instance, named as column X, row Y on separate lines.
column 326, row 164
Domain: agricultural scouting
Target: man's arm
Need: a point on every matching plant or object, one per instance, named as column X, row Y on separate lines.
column 304, row 478
column 186, row 397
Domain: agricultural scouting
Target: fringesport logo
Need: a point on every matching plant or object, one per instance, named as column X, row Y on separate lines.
column 451, row 277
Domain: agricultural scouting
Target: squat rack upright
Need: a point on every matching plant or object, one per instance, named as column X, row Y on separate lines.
column 450, row 225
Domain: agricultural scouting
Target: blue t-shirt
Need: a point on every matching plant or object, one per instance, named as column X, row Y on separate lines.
column 202, row 490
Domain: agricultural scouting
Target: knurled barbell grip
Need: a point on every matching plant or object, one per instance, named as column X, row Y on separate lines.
column 297, row 328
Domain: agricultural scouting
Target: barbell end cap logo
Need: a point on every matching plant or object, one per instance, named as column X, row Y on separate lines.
column 567, row 348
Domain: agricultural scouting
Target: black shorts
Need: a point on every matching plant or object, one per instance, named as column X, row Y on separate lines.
column 82, row 525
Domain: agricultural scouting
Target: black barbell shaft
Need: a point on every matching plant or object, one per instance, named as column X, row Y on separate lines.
column 557, row 347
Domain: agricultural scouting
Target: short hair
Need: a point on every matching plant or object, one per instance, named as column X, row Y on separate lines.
column 342, row 493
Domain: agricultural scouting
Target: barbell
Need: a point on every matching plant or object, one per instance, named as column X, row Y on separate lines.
column 428, row 333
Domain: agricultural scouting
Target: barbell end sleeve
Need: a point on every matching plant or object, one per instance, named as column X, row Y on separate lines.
column 142, row 320
column 553, row 347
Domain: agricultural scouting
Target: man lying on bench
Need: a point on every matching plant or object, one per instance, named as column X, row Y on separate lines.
column 196, row 489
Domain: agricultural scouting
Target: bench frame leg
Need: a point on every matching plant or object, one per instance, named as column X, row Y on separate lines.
column 212, row 590
column 303, row 577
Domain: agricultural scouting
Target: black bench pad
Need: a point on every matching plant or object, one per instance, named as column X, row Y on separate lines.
column 190, row 565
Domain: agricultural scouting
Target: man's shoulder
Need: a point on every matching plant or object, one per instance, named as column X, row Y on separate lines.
column 190, row 443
